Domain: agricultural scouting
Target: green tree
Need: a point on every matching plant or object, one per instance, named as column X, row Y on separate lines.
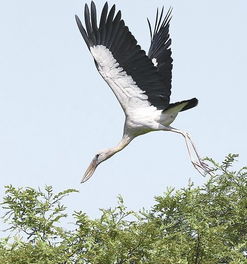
column 193, row 225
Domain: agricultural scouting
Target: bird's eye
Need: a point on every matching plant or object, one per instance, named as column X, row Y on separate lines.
column 96, row 156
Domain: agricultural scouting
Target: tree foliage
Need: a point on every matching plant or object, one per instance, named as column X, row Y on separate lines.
column 193, row 225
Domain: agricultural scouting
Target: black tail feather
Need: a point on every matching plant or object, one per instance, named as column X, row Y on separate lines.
column 190, row 104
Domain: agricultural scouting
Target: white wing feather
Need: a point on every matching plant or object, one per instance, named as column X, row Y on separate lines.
column 122, row 84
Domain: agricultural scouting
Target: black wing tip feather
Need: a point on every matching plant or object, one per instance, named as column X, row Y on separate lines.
column 90, row 19
column 159, row 24
column 160, row 37
column 160, row 47
column 82, row 30
column 94, row 17
column 105, row 32
column 150, row 29
column 90, row 29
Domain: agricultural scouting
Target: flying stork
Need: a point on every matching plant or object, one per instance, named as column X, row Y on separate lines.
column 141, row 83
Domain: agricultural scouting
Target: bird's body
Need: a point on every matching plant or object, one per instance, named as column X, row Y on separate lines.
column 147, row 119
column 141, row 83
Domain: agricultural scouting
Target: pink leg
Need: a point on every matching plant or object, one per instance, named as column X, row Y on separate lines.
column 199, row 165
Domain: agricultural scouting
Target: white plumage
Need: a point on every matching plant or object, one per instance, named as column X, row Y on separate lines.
column 123, row 86
column 141, row 83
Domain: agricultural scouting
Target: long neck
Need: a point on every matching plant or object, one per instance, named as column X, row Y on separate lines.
column 122, row 144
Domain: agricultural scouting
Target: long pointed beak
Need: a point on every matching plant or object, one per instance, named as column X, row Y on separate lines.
column 90, row 170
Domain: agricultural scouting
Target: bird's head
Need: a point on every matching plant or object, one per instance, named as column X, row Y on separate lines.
column 98, row 158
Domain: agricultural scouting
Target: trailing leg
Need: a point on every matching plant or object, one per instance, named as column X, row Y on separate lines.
column 197, row 162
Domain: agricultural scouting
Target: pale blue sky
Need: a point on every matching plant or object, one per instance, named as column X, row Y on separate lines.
column 56, row 111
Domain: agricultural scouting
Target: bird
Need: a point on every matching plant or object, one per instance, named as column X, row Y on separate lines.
column 140, row 81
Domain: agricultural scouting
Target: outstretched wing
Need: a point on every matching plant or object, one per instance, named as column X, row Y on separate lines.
column 159, row 51
column 125, row 67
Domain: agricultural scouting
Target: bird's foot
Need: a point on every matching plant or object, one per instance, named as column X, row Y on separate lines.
column 203, row 168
